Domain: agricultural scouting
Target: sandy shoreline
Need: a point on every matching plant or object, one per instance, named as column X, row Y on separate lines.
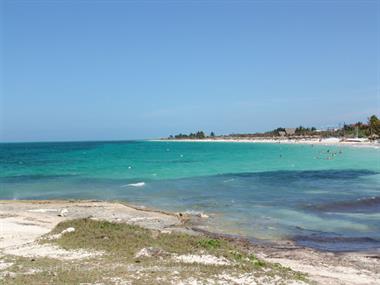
column 323, row 142
column 23, row 222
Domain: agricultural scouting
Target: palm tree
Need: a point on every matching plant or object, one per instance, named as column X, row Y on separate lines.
column 374, row 125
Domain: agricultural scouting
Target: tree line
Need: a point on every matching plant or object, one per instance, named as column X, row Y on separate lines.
column 196, row 135
column 370, row 129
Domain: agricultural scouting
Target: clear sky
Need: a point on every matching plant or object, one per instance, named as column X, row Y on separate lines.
column 87, row 70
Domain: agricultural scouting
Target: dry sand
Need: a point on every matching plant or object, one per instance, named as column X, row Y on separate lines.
column 23, row 222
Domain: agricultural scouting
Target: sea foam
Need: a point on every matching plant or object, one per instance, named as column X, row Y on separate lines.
column 138, row 184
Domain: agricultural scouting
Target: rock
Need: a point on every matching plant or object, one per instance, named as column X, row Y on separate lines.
column 58, row 236
column 150, row 252
column 63, row 213
column 188, row 214
column 68, row 230
column 203, row 216
column 183, row 217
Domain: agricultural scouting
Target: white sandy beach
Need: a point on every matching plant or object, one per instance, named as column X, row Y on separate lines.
column 324, row 142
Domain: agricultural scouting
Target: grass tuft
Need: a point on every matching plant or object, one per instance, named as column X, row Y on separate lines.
column 209, row 243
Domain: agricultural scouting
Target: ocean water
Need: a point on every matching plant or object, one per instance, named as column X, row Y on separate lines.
column 325, row 197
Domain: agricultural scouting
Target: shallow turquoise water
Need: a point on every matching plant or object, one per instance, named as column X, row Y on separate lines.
column 324, row 197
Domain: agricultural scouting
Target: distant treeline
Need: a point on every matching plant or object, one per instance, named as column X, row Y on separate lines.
column 370, row 129
column 197, row 135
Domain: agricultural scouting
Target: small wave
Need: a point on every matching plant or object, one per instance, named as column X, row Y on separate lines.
column 138, row 184
column 228, row 180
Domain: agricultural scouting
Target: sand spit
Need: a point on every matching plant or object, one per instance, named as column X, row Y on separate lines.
column 23, row 223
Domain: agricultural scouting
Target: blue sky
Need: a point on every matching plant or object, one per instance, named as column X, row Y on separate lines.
column 87, row 70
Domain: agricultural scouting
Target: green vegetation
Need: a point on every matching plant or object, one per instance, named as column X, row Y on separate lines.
column 374, row 125
column 119, row 244
column 122, row 239
column 305, row 131
column 370, row 130
column 209, row 243
column 197, row 135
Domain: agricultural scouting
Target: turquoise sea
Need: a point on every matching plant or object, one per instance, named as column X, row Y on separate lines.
column 326, row 197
